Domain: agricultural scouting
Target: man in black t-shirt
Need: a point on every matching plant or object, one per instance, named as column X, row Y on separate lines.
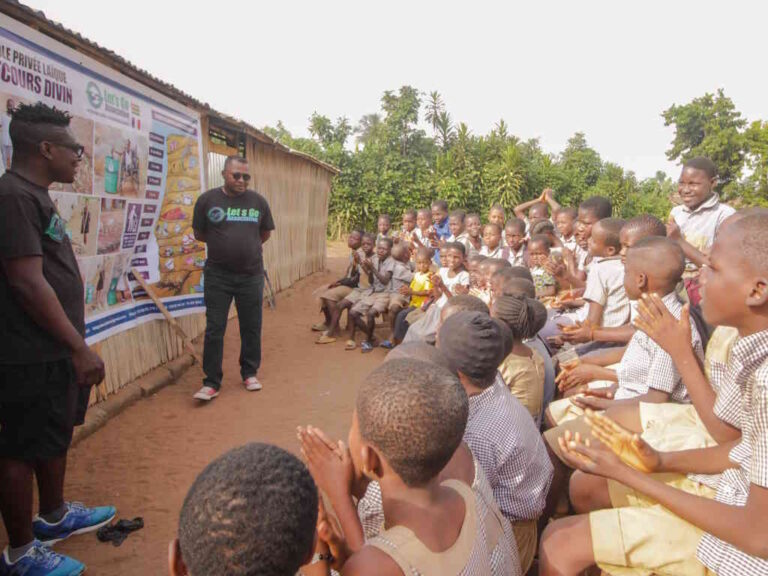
column 46, row 368
column 234, row 222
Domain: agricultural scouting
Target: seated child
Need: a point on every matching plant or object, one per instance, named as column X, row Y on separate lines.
column 423, row 225
column 366, row 252
column 514, row 234
column 408, row 228
column 546, row 228
column 538, row 255
column 384, row 227
column 523, row 368
column 474, row 230
column 407, row 427
column 646, row 372
column 252, row 510
column 511, row 283
column 591, row 211
column 402, row 276
column 381, row 268
column 674, row 530
column 419, row 291
column 632, row 232
column 492, row 239
column 500, row 432
column 491, row 267
column 606, row 300
column 565, row 220
column 451, row 280
column 538, row 208
column 338, row 290
column 695, row 222
column 477, row 266
column 496, row 216
column 456, row 226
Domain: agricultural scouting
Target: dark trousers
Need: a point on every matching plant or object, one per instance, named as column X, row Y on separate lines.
column 248, row 292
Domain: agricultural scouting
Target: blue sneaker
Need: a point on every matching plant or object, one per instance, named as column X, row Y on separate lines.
column 40, row 561
column 77, row 520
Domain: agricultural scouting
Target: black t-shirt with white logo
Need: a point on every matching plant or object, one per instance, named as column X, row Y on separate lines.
column 31, row 226
column 232, row 226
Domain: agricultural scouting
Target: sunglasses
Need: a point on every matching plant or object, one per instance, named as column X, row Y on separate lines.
column 239, row 175
column 78, row 149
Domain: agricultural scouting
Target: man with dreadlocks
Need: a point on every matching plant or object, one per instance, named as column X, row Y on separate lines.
column 46, row 368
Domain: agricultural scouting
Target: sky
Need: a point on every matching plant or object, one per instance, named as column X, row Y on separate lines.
column 548, row 68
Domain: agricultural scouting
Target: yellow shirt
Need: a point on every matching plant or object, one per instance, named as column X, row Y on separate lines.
column 420, row 283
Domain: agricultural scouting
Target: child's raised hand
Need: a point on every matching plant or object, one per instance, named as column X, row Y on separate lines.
column 673, row 230
column 329, row 463
column 629, row 447
column 653, row 318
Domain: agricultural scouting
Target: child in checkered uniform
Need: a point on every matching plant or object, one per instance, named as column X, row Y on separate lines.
column 674, row 532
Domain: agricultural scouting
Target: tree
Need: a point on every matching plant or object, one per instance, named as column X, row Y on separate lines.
column 709, row 126
column 368, row 129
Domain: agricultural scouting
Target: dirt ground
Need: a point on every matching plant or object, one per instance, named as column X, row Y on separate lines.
column 144, row 461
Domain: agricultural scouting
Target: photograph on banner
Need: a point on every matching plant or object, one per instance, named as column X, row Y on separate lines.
column 82, row 129
column 105, row 279
column 182, row 258
column 7, row 103
column 81, row 214
column 111, row 225
column 120, row 165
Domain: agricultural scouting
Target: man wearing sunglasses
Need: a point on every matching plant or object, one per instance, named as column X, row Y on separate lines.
column 46, row 368
column 234, row 222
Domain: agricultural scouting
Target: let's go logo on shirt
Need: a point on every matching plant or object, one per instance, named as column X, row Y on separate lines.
column 217, row 215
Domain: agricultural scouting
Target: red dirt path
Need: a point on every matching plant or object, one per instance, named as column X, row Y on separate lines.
column 144, row 460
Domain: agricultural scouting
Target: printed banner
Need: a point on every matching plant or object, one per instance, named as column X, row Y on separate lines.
column 132, row 199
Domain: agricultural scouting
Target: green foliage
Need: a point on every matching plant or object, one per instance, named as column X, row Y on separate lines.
column 709, row 126
column 395, row 165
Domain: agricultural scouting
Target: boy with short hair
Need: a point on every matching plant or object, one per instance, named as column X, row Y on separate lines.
column 695, row 222
column 408, row 424
column 366, row 252
column 381, row 268
column 456, row 226
column 500, row 432
column 338, row 290
column 252, row 510
column 423, row 225
column 493, row 245
column 384, row 227
column 497, row 216
column 401, row 280
column 408, row 228
column 474, row 230
column 726, row 535
column 538, row 254
column 565, row 221
column 606, row 300
column 646, row 372
column 514, row 234
column 440, row 230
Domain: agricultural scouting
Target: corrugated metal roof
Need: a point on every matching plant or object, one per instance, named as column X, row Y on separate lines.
column 37, row 20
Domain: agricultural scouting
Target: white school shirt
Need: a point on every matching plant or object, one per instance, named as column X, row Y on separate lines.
column 699, row 226
column 462, row 278
column 605, row 285
column 517, row 258
column 499, row 252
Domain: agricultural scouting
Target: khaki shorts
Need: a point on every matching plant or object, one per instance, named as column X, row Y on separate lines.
column 574, row 425
column 644, row 541
column 336, row 294
column 398, row 302
column 671, row 427
column 379, row 302
column 356, row 295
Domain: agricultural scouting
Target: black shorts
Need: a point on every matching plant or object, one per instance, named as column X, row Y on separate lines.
column 39, row 406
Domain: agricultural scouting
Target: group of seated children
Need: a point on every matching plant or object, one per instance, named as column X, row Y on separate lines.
column 654, row 453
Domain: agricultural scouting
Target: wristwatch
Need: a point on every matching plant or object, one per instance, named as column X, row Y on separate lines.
column 321, row 557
